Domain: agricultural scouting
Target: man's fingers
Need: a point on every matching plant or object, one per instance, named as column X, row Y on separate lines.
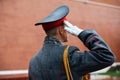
column 68, row 24
column 72, row 29
column 68, row 29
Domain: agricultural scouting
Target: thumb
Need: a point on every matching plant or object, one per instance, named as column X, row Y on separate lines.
column 67, row 29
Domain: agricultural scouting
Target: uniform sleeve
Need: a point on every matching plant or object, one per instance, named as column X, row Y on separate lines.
column 99, row 55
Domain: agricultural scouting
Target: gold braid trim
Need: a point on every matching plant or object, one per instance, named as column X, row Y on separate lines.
column 67, row 66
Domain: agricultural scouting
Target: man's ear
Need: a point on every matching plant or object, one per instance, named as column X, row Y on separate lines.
column 60, row 30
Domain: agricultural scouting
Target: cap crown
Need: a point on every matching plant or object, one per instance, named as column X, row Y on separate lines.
column 57, row 14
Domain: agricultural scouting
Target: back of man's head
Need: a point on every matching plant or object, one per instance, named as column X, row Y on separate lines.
column 52, row 32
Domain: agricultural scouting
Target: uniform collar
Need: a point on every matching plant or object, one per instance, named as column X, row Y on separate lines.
column 52, row 40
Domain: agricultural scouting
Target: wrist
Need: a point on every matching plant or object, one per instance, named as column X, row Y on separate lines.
column 78, row 30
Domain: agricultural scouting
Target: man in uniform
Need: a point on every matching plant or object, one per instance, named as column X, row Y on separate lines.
column 47, row 64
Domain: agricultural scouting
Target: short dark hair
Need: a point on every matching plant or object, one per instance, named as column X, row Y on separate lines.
column 52, row 32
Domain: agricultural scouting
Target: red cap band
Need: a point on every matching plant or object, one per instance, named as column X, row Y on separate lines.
column 51, row 25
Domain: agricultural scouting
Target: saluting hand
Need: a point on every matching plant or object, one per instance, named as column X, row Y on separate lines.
column 72, row 29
